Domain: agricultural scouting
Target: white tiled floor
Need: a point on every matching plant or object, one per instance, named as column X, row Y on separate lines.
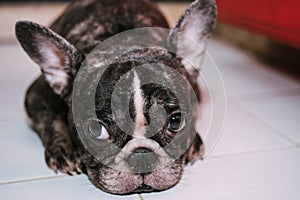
column 18, row 72
column 281, row 112
column 245, row 77
column 262, row 175
column 257, row 157
column 23, row 153
column 60, row 188
column 244, row 134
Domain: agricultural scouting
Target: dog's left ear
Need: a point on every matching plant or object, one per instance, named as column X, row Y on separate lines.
column 191, row 33
column 58, row 59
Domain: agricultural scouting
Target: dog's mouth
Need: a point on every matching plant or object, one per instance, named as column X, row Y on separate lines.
column 144, row 188
column 139, row 171
column 125, row 183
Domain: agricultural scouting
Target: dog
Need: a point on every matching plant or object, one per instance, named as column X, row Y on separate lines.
column 140, row 162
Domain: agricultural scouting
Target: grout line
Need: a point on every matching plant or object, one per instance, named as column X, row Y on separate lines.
column 32, row 179
column 253, row 152
column 268, row 125
column 141, row 197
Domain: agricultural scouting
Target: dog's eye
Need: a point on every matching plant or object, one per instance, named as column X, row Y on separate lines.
column 97, row 130
column 176, row 122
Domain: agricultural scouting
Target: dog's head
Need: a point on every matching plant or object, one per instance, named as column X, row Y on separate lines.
column 142, row 133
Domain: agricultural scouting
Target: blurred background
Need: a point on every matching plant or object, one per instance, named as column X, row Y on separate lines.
column 269, row 28
column 256, row 46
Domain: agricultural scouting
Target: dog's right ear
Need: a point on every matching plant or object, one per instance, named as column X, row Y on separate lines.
column 191, row 33
column 58, row 59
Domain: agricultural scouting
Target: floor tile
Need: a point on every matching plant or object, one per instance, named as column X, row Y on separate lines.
column 21, row 153
column 243, row 133
column 18, row 71
column 75, row 188
column 264, row 176
column 256, row 82
column 227, row 57
column 243, row 75
column 12, row 103
column 283, row 113
column 18, row 67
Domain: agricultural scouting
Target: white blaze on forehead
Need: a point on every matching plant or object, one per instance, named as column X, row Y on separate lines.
column 138, row 101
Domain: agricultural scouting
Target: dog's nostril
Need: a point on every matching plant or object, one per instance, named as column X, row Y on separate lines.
column 141, row 160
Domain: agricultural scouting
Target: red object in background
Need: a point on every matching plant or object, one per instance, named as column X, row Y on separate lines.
column 276, row 19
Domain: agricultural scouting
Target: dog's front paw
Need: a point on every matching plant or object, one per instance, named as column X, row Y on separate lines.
column 62, row 159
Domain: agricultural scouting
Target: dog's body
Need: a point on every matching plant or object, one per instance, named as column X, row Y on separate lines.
column 48, row 103
column 86, row 23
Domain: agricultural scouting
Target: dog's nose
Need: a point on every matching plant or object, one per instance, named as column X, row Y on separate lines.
column 141, row 160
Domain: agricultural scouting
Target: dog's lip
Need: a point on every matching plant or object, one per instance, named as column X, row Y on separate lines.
column 143, row 188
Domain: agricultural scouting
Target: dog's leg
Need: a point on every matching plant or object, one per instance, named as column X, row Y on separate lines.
column 59, row 152
column 48, row 113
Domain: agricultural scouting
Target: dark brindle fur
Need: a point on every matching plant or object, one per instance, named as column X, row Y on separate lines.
column 60, row 51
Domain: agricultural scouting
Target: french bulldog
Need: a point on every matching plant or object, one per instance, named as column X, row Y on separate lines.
column 142, row 160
